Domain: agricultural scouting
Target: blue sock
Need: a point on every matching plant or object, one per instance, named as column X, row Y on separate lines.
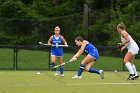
column 92, row 70
column 81, row 69
column 54, row 64
column 61, row 70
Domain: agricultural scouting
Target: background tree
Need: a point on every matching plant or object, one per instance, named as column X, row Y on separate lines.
column 30, row 21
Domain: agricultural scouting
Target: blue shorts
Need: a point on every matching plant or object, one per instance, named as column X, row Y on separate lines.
column 94, row 54
column 57, row 52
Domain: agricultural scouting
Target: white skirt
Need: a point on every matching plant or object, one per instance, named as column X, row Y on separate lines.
column 133, row 49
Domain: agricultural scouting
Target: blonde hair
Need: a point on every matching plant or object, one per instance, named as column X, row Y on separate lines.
column 121, row 26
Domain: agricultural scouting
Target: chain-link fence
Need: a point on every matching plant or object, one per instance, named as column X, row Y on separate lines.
column 37, row 57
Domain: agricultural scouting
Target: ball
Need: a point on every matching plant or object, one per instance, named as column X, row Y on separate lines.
column 38, row 73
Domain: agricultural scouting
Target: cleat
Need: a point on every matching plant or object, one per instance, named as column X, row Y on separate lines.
column 62, row 75
column 131, row 77
column 101, row 73
column 56, row 73
column 76, row 77
column 136, row 77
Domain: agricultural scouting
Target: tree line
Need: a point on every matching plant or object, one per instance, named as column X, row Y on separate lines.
column 31, row 21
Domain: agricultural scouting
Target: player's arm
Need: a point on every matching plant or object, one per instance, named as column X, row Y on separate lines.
column 64, row 41
column 122, row 48
column 80, row 51
column 50, row 40
column 125, row 36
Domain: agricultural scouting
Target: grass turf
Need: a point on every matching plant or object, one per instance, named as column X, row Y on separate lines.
column 30, row 82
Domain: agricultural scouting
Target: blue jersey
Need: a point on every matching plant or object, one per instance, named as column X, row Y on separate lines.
column 92, row 50
column 56, row 51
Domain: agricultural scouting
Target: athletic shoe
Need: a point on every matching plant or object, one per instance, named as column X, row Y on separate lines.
column 76, row 77
column 101, row 73
column 62, row 75
column 131, row 77
column 136, row 77
column 56, row 73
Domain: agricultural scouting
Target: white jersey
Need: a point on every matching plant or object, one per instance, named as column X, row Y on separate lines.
column 131, row 45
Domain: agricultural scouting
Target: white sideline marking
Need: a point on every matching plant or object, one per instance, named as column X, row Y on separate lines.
column 78, row 84
column 104, row 84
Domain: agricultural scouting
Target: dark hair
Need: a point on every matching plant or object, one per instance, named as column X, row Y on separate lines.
column 121, row 26
column 79, row 38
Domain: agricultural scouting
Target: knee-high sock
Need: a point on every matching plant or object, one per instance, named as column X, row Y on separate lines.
column 54, row 64
column 129, row 67
column 81, row 69
column 61, row 70
column 92, row 70
column 134, row 69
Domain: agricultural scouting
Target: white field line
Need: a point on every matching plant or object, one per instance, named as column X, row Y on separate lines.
column 84, row 84
column 74, row 84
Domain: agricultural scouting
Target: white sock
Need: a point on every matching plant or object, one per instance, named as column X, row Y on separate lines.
column 129, row 67
column 134, row 69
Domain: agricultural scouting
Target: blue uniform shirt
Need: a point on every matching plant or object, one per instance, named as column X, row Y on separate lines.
column 56, row 51
column 92, row 50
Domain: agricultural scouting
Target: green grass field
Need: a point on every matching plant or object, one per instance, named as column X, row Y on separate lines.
column 30, row 82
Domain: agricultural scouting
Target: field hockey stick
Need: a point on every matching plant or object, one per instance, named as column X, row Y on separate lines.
column 122, row 56
column 44, row 44
column 119, row 46
column 52, row 45
column 62, row 64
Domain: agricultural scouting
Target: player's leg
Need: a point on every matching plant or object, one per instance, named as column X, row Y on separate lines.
column 89, row 69
column 53, row 60
column 86, row 60
column 60, row 60
column 127, row 60
column 93, row 70
column 134, row 68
